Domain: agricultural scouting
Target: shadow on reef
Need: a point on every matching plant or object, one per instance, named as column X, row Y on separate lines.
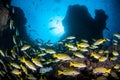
column 79, row 23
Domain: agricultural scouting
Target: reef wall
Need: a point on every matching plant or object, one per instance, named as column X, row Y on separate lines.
column 78, row 22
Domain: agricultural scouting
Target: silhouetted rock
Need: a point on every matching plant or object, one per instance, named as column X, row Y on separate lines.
column 4, row 13
column 19, row 20
column 78, row 22
column 5, row 33
column 6, row 37
column 99, row 23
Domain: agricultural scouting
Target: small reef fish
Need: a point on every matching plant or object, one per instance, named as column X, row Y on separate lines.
column 113, row 58
column 62, row 56
column 69, row 45
column 11, row 23
column 101, row 70
column 83, row 40
column 83, row 45
column 78, row 54
column 69, row 72
column 115, row 53
column 93, row 47
column 99, row 41
column 117, row 35
column 71, row 37
column 101, row 51
column 83, row 49
column 16, row 72
column 2, row 53
column 103, row 59
column 28, row 64
column 77, row 64
column 25, row 47
column 95, row 55
column 117, row 66
column 37, row 62
column 14, row 39
column 24, row 69
column 50, row 51
column 15, row 65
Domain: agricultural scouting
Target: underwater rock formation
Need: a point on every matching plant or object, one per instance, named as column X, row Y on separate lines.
column 11, row 19
column 19, row 20
column 79, row 23
column 4, row 13
column 5, row 33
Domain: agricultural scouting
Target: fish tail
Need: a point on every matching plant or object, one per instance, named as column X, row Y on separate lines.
column 20, row 72
column 23, row 59
column 91, row 54
column 54, row 55
column 60, row 72
column 71, row 64
column 65, row 44
column 108, row 71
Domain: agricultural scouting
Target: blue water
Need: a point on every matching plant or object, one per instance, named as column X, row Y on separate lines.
column 45, row 16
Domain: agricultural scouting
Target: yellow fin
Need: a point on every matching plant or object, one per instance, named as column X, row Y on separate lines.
column 92, row 54
column 71, row 64
column 108, row 71
column 23, row 60
column 54, row 55
column 60, row 72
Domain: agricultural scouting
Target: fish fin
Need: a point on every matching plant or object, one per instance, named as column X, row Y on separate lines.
column 54, row 55
column 60, row 72
column 108, row 71
column 91, row 54
column 71, row 63
column 23, row 60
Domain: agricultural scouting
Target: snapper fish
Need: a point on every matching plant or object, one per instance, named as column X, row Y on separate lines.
column 102, row 59
column 78, row 54
column 37, row 62
column 77, row 64
column 70, row 37
column 69, row 45
column 95, row 55
column 117, row 66
column 24, row 69
column 68, row 72
column 115, row 53
column 28, row 64
column 99, row 41
column 16, row 72
column 11, row 23
column 83, row 45
column 83, row 40
column 2, row 53
column 117, row 35
column 101, row 70
column 50, row 51
column 83, row 49
column 25, row 47
column 62, row 56
column 15, row 65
